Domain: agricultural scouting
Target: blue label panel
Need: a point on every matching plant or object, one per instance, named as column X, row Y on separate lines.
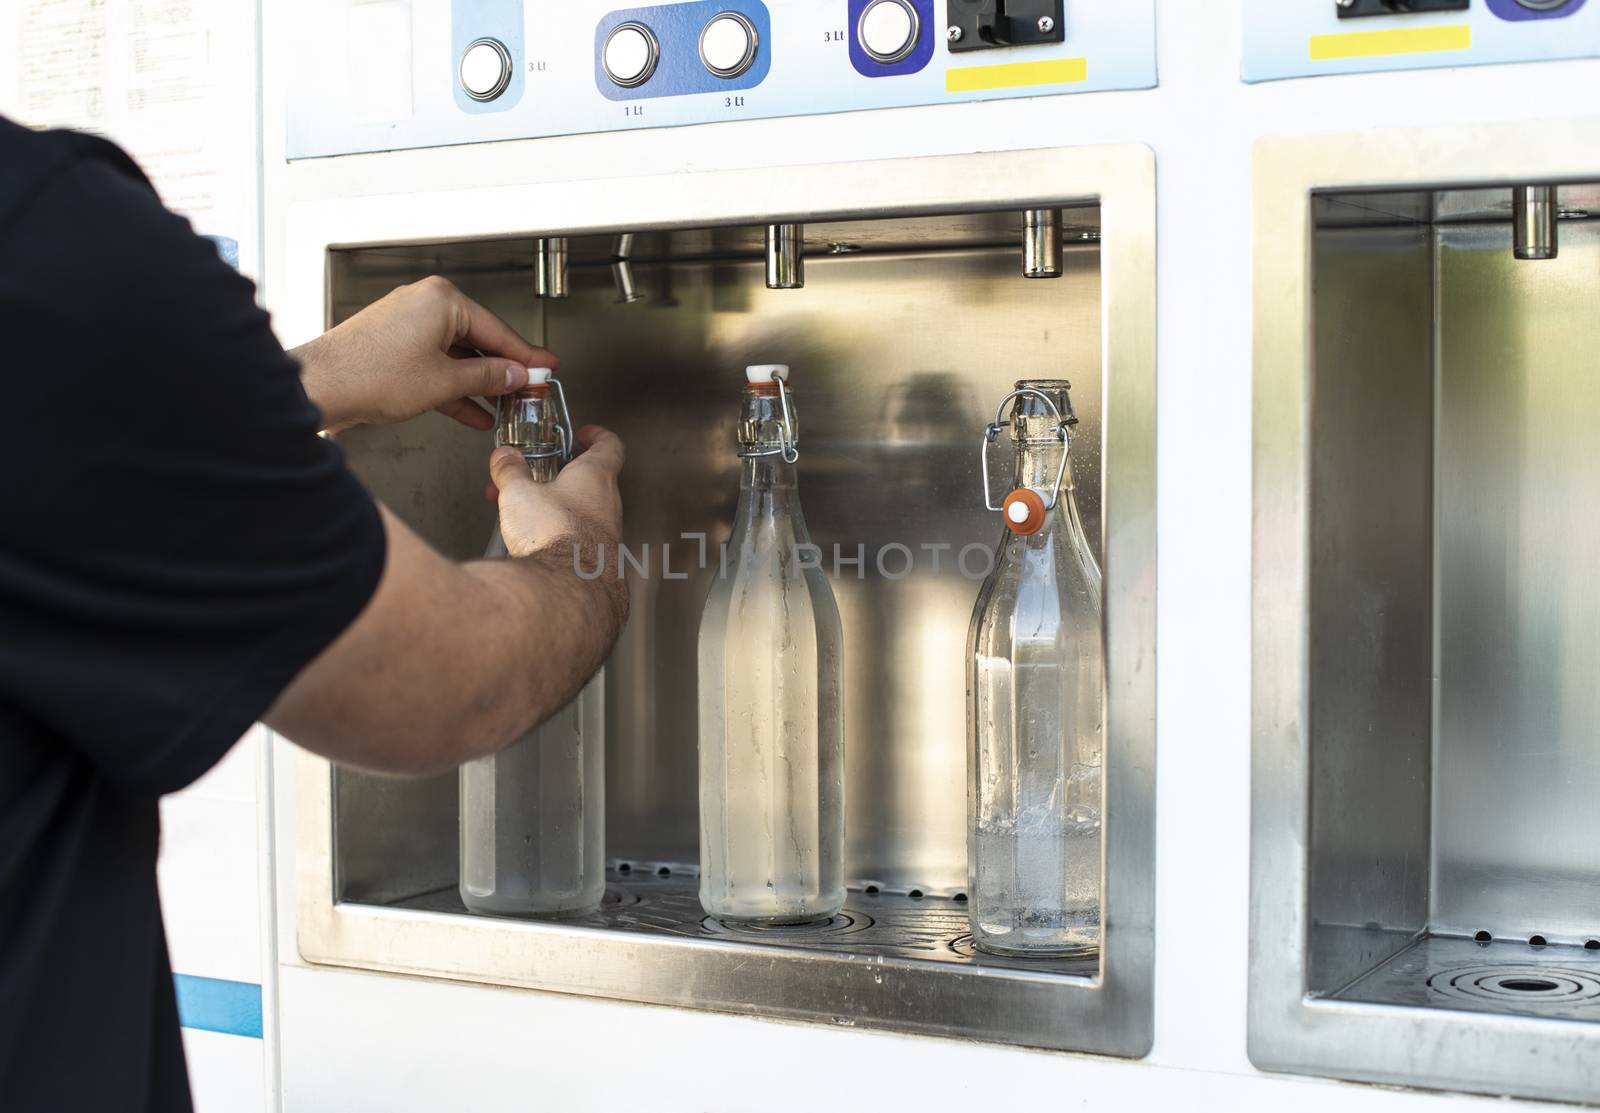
column 1306, row 38
column 677, row 28
column 471, row 20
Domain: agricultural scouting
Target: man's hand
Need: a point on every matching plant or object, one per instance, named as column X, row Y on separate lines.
column 576, row 517
column 581, row 505
column 412, row 352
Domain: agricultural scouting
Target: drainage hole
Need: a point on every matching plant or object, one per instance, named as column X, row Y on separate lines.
column 1529, row 985
column 1483, row 937
column 961, row 898
column 915, row 894
column 871, row 890
column 623, row 867
column 1535, row 940
column 663, row 872
column 1592, row 945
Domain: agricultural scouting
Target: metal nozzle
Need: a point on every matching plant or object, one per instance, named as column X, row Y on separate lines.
column 622, row 270
column 1041, row 243
column 550, row 267
column 1533, row 222
column 786, row 264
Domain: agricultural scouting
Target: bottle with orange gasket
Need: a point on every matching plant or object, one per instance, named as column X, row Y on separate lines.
column 1036, row 701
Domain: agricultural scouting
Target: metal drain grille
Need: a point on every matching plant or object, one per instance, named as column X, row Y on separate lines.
column 848, row 922
column 1518, row 984
column 1447, row 972
column 647, row 901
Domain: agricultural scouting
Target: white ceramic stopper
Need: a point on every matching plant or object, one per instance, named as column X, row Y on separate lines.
column 763, row 372
column 539, row 374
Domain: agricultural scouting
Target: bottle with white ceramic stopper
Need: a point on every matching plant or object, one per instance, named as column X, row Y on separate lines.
column 533, row 815
column 771, row 720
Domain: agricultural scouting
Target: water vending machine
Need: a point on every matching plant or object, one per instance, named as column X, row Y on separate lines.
column 1363, row 849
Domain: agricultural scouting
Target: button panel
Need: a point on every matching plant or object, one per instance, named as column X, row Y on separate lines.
column 704, row 46
column 688, row 62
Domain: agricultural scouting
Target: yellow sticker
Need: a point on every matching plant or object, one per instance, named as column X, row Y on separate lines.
column 1407, row 40
column 1016, row 75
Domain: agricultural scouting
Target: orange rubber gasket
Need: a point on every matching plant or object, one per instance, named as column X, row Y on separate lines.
column 1034, row 522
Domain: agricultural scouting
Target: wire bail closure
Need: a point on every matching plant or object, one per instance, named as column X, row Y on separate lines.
column 789, row 446
column 992, row 433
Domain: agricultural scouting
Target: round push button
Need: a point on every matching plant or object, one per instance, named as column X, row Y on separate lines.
column 887, row 30
column 728, row 44
column 485, row 69
column 631, row 54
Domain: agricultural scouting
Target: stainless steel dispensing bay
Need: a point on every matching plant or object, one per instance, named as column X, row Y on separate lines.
column 903, row 308
column 1425, row 875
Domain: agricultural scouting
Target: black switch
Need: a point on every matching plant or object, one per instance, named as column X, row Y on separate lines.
column 990, row 24
column 1356, row 9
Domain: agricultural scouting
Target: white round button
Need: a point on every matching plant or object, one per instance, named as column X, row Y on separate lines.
column 728, row 44
column 631, row 54
column 888, row 30
column 485, row 69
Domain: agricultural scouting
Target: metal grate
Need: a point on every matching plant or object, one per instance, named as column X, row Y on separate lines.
column 1555, row 981
column 890, row 925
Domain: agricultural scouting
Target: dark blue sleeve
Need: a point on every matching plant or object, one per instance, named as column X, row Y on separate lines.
column 176, row 540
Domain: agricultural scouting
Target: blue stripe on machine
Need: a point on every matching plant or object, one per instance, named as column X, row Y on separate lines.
column 215, row 1005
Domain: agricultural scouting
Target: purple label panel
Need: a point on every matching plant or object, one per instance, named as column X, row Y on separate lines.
column 1511, row 9
column 921, row 54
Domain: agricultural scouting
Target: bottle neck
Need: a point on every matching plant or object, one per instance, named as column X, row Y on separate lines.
column 762, row 428
column 529, row 421
column 1038, row 464
column 770, row 476
column 544, row 468
column 768, row 484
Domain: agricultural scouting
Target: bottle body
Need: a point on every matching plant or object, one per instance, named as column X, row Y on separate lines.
column 1036, row 698
column 771, row 718
column 533, row 815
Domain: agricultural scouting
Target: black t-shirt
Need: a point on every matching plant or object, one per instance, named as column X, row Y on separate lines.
column 176, row 543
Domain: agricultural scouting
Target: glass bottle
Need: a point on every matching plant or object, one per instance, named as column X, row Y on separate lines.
column 771, row 724
column 1036, row 697
column 533, row 815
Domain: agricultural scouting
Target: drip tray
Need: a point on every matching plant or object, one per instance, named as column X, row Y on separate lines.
column 885, row 925
column 1505, row 977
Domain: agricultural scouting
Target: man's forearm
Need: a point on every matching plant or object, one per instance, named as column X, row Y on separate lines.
column 450, row 662
column 320, row 386
column 563, row 622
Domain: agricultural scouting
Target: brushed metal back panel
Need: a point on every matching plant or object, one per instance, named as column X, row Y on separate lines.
column 1517, row 834
column 898, row 361
column 1371, row 597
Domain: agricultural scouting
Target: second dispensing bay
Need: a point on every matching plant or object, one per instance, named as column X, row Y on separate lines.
column 872, row 927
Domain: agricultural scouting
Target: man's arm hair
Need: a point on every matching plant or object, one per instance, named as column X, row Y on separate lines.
column 449, row 662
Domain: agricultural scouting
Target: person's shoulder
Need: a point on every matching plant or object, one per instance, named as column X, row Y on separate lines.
column 30, row 161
